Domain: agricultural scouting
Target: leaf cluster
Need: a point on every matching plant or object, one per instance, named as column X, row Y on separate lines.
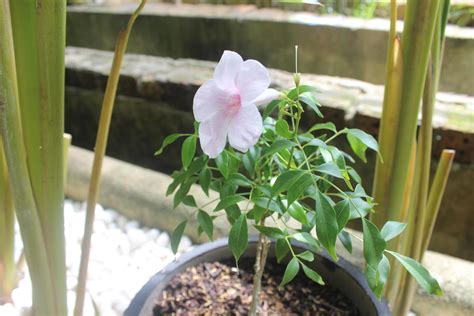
column 293, row 185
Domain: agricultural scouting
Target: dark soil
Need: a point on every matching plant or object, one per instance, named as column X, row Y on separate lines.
column 218, row 288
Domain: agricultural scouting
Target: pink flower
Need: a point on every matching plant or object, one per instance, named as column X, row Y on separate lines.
column 226, row 106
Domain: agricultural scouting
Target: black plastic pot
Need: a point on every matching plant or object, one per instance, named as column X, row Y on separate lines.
column 342, row 275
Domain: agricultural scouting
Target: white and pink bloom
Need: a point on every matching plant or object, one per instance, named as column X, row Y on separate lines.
column 226, row 106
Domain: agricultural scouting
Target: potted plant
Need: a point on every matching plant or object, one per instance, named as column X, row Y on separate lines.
column 288, row 184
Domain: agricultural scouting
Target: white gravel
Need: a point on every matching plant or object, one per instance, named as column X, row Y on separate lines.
column 124, row 255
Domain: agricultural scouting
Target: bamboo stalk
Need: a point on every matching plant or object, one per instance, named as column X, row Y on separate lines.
column 420, row 18
column 44, row 300
column 67, row 138
column 39, row 39
column 7, row 233
column 436, row 194
column 389, row 120
column 100, row 147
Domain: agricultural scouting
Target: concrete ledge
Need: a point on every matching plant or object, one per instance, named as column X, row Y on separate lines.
column 335, row 46
column 138, row 193
column 346, row 102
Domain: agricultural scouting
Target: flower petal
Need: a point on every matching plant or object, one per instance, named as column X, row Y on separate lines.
column 252, row 79
column 245, row 128
column 227, row 69
column 266, row 97
column 209, row 100
column 213, row 135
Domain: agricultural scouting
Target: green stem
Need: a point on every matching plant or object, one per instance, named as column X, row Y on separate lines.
column 7, row 233
column 100, row 147
column 420, row 19
column 45, row 301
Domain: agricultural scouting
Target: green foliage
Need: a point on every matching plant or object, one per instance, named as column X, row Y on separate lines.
column 290, row 175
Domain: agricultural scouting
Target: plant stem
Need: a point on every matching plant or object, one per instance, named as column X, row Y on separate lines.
column 261, row 258
column 100, row 147
column 7, row 233
column 45, row 302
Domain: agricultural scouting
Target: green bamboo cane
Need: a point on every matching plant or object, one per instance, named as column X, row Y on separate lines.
column 416, row 240
column 409, row 286
column 420, row 18
column 39, row 38
column 7, row 233
column 44, row 298
column 100, row 147
column 389, row 120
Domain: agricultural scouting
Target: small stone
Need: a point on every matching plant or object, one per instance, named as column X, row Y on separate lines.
column 152, row 234
column 132, row 225
column 121, row 222
column 184, row 244
column 163, row 240
column 136, row 237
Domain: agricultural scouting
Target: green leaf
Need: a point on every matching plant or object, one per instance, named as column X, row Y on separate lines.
column 265, row 203
column 354, row 175
column 182, row 192
column 176, row 236
column 330, row 169
column 282, row 129
column 308, row 239
column 298, row 187
column 188, row 150
column 329, row 126
column 326, row 154
column 367, row 139
column 205, row 177
column 290, row 272
column 168, row 141
column 392, row 229
column 300, row 90
column 374, row 244
column 316, row 142
column 189, row 201
column 278, row 145
column 271, row 107
column 311, row 274
column 421, row 275
column 343, row 211
column 205, row 222
column 222, row 163
column 178, row 178
column 250, row 158
column 357, row 146
column 327, row 228
column 297, row 212
column 359, row 141
column 359, row 208
column 383, row 272
column 238, row 237
column 228, row 201
column 281, row 249
column 345, row 239
column 286, row 180
column 239, row 179
column 306, row 255
column 272, row 232
column 310, row 101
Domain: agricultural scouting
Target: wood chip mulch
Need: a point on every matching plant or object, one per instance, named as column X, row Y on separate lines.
column 219, row 288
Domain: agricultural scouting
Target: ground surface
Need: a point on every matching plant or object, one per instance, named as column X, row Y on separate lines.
column 118, row 245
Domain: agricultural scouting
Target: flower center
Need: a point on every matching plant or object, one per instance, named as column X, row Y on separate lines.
column 234, row 104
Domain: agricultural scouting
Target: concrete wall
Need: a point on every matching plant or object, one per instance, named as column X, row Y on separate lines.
column 155, row 99
column 335, row 46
